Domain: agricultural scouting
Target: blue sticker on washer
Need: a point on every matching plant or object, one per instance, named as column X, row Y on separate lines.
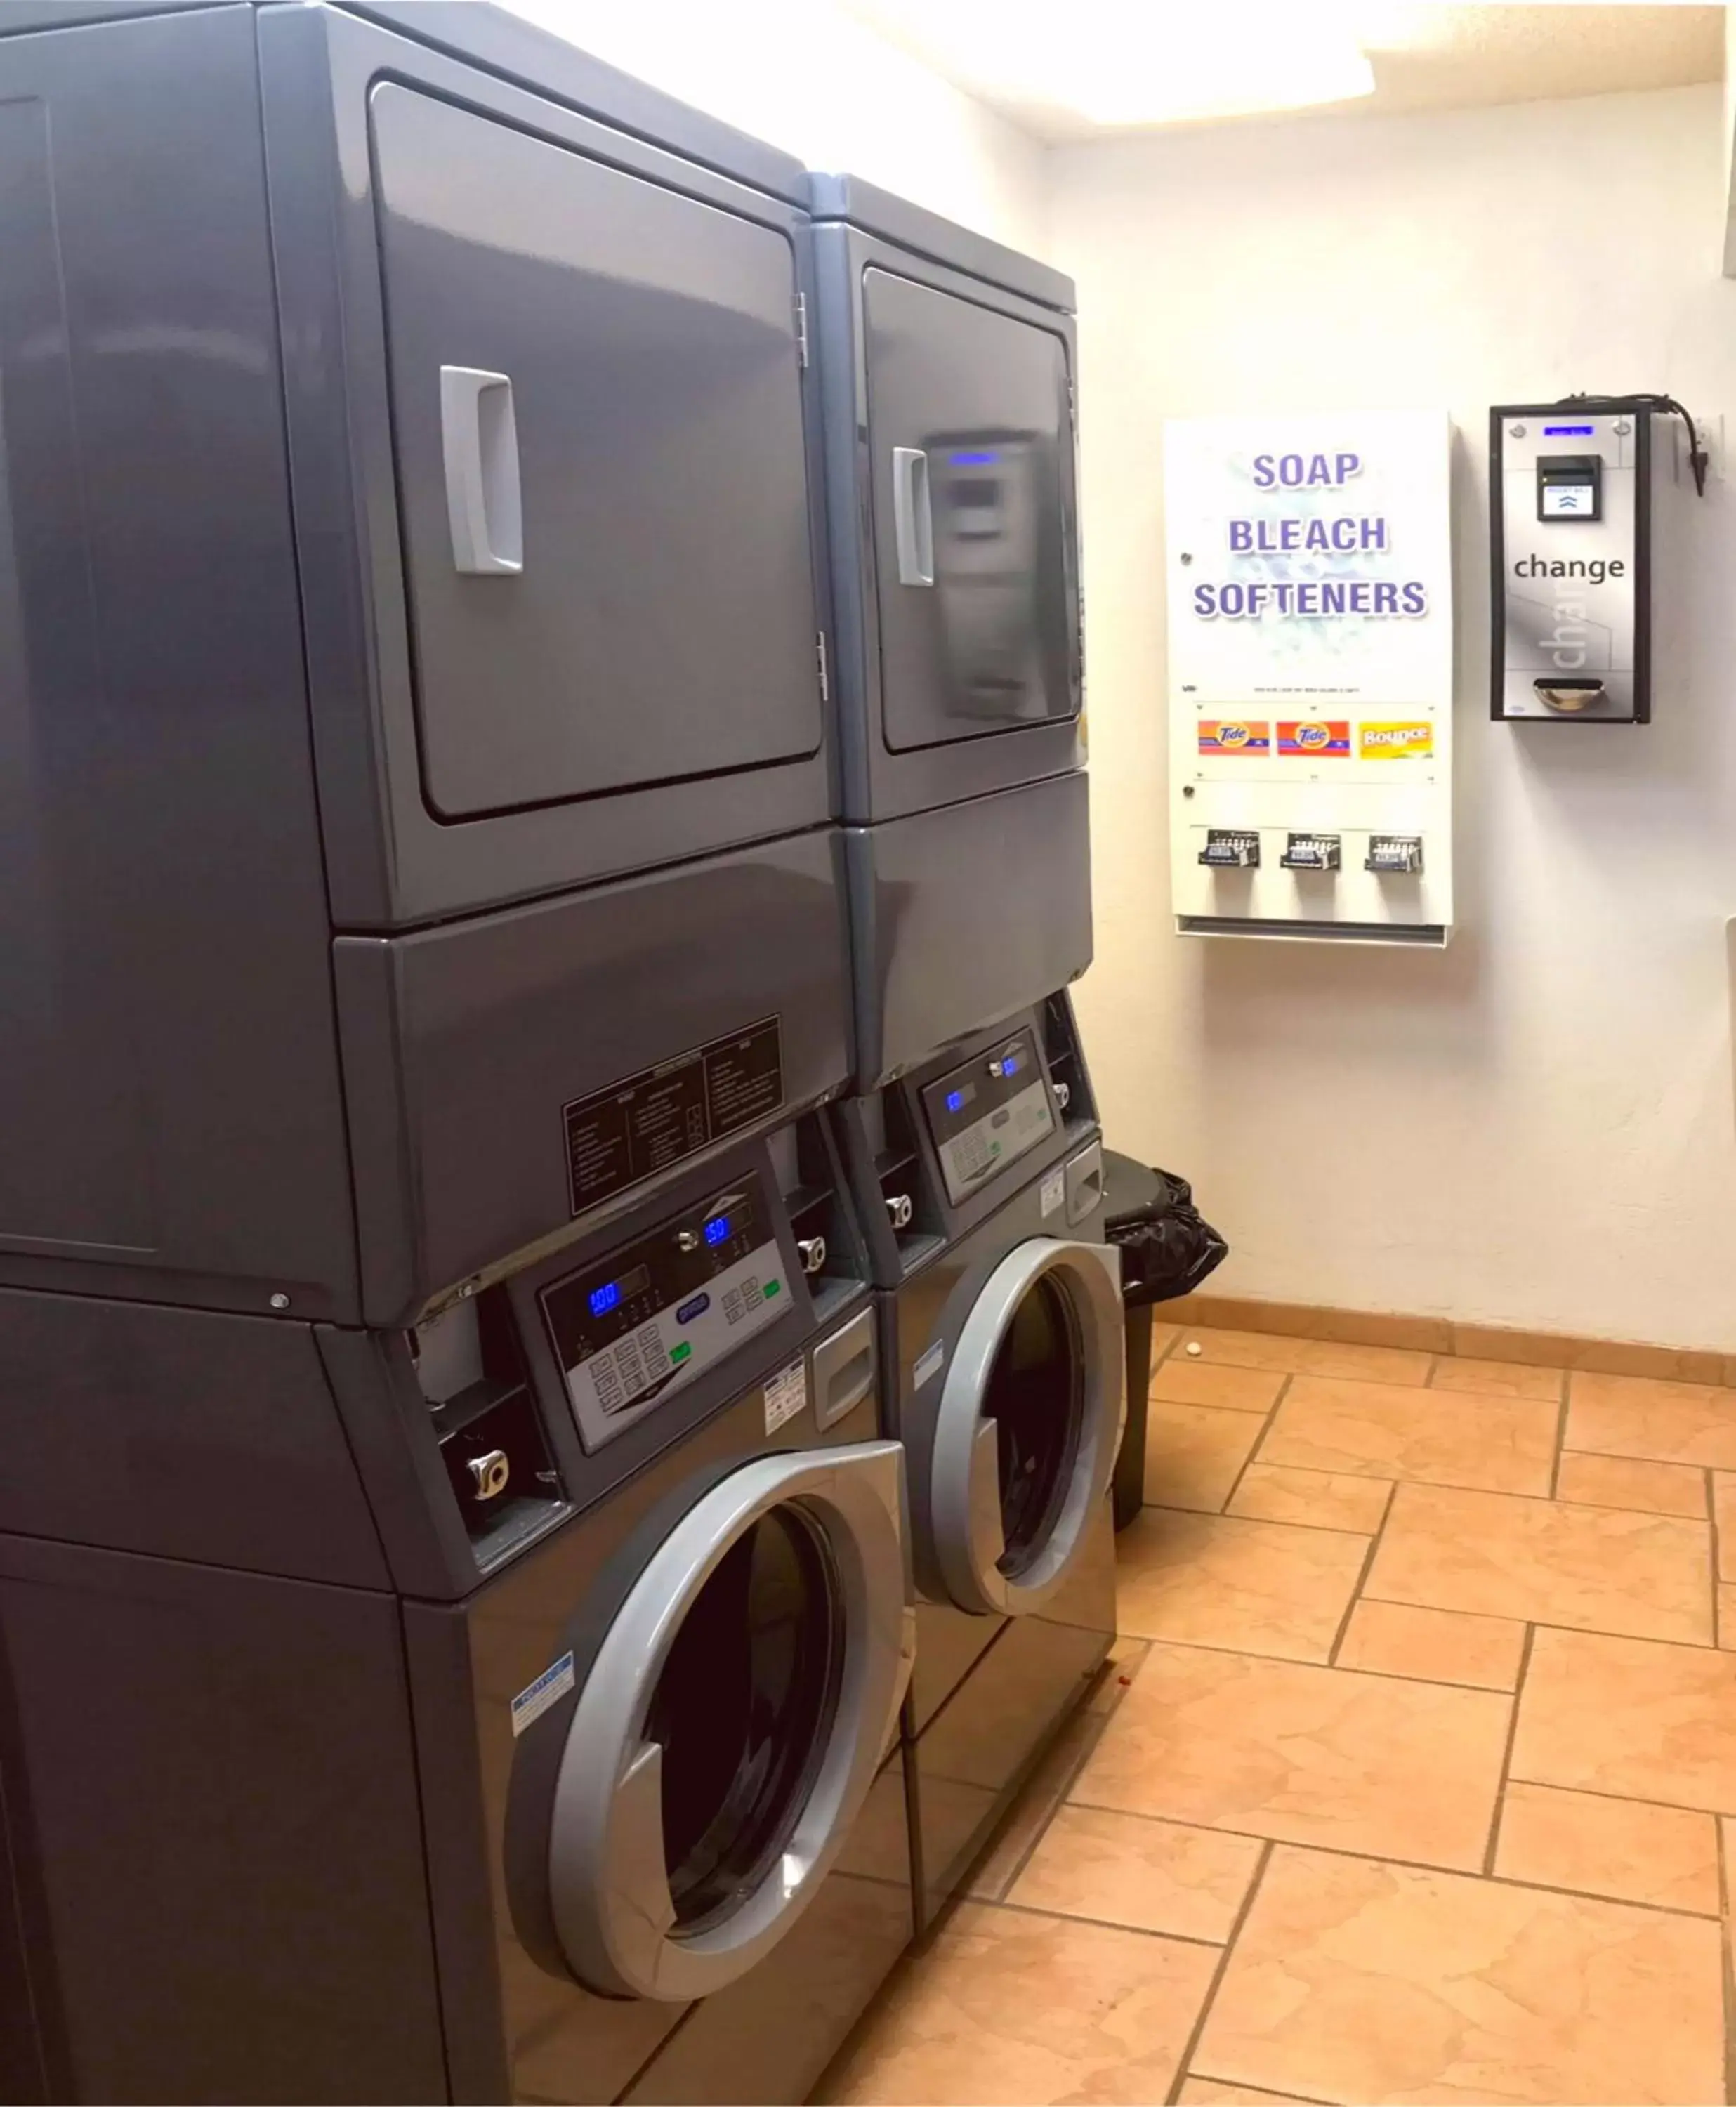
column 929, row 1363
column 536, row 1698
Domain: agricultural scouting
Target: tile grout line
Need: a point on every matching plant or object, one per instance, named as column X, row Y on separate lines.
column 1445, row 1609
column 1729, row 1982
column 1102, row 1923
column 1561, row 1439
column 1717, row 1573
column 1206, row 2002
column 1405, row 1864
column 1261, row 2091
column 1502, row 1777
column 1320, row 1528
column 1259, row 1442
column 1356, row 1596
column 1542, row 1623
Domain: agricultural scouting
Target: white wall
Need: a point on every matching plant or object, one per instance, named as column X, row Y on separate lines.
column 1534, row 1128
column 801, row 73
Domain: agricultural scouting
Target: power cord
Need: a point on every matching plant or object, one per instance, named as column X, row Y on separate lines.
column 1698, row 460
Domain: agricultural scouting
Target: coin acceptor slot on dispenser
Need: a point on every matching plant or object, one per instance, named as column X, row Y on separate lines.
column 1397, row 854
column 1230, row 848
column 1311, row 852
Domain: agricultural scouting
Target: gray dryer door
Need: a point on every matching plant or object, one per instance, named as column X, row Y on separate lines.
column 1025, row 1431
column 731, row 1724
column 971, row 449
column 597, row 412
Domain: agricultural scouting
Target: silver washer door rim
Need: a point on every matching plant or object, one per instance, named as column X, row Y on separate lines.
column 964, row 1490
column 608, row 1880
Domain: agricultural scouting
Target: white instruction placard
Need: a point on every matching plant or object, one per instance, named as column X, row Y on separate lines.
column 786, row 1393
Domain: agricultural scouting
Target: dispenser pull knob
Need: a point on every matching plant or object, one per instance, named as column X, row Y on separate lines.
column 813, row 1250
column 899, row 1210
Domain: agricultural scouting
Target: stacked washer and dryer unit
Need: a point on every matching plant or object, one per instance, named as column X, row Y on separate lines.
column 453, row 1607
column 971, row 1133
column 456, row 1596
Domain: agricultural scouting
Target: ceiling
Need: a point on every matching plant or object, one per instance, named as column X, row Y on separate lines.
column 1425, row 56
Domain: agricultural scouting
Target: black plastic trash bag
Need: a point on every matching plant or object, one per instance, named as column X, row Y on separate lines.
column 1167, row 1245
column 1166, row 1249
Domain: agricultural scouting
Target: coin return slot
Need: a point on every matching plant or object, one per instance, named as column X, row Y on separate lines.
column 1562, row 692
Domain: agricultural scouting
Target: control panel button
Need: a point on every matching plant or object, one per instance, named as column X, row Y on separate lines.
column 1230, row 848
column 696, row 1306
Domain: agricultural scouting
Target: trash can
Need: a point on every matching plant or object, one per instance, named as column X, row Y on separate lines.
column 1167, row 1249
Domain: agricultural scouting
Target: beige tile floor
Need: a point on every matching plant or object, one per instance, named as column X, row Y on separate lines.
column 1413, row 1778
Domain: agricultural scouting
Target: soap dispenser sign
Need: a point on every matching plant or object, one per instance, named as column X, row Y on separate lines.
column 1309, row 609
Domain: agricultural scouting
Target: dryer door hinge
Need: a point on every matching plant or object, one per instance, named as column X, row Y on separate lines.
column 819, row 652
column 801, row 330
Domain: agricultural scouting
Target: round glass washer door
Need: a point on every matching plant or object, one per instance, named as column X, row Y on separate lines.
column 730, row 1725
column 1025, row 1431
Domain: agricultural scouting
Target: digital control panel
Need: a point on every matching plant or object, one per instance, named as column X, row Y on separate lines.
column 659, row 1311
column 989, row 1113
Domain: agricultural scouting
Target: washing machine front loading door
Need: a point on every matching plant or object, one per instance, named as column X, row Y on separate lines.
column 1025, row 1431
column 730, row 1725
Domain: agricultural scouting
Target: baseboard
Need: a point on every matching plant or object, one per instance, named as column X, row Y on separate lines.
column 1440, row 1335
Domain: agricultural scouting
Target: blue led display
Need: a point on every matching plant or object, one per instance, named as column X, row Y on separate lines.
column 717, row 1228
column 955, row 1101
column 973, row 460
column 1011, row 1065
column 603, row 1298
column 1568, row 431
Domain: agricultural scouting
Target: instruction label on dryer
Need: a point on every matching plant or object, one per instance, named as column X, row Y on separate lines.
column 644, row 1123
column 786, row 1393
column 536, row 1698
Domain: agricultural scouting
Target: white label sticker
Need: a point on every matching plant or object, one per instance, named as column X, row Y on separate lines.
column 929, row 1363
column 536, row 1698
column 1053, row 1190
column 786, row 1393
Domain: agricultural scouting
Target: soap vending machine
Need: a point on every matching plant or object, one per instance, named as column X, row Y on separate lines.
column 1310, row 623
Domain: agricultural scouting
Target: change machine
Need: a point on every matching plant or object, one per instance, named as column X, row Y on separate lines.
column 1309, row 583
column 1571, row 554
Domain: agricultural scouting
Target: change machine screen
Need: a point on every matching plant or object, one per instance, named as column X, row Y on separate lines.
column 1571, row 562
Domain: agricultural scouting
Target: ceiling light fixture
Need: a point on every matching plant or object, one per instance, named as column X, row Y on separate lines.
column 1117, row 62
